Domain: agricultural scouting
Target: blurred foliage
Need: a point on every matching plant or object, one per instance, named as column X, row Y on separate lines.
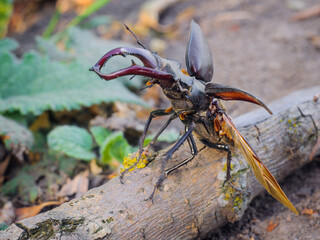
column 5, row 13
column 95, row 6
column 73, row 141
column 115, row 146
column 40, row 82
column 83, row 8
column 100, row 134
column 54, row 77
column 15, row 134
column 23, row 185
column 97, row 21
column 28, row 180
column 76, row 142
column 3, row 226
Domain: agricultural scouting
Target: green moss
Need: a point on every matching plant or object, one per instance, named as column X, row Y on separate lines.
column 110, row 219
column 69, row 225
column 47, row 229
column 44, row 230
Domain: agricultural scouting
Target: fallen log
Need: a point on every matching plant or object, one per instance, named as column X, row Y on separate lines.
column 192, row 201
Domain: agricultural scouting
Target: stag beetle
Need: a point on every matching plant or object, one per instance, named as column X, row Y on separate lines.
column 196, row 101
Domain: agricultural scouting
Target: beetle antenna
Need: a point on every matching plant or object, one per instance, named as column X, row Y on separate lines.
column 132, row 77
column 138, row 41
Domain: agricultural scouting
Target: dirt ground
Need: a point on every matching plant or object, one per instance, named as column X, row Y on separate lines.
column 256, row 47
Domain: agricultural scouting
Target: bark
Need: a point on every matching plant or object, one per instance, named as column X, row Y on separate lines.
column 192, row 201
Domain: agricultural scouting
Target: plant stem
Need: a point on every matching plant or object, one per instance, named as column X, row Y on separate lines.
column 89, row 11
column 52, row 24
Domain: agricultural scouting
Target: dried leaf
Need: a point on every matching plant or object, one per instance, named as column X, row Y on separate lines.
column 308, row 211
column 272, row 226
column 42, row 121
column 112, row 175
column 315, row 41
column 149, row 16
column 3, row 167
column 95, row 169
column 233, row 16
column 79, row 185
column 311, row 12
column 187, row 14
column 25, row 14
column 78, row 5
column 25, row 212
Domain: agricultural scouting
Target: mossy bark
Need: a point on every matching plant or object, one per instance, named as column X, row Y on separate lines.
column 192, row 201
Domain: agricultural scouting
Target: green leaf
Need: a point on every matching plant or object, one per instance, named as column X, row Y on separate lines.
column 97, row 21
column 37, row 83
column 3, row 226
column 116, row 147
column 22, row 185
column 67, row 164
column 100, row 134
column 8, row 45
column 49, row 48
column 73, row 141
column 18, row 135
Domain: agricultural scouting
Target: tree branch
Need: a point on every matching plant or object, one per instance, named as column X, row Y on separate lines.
column 192, row 201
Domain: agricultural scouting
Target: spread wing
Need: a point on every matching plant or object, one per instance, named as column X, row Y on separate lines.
column 264, row 176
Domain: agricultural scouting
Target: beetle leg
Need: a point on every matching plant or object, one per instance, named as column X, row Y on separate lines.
column 169, row 155
column 222, row 147
column 153, row 114
column 225, row 148
column 194, row 152
column 173, row 116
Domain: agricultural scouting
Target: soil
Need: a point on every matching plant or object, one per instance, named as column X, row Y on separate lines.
column 256, row 47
